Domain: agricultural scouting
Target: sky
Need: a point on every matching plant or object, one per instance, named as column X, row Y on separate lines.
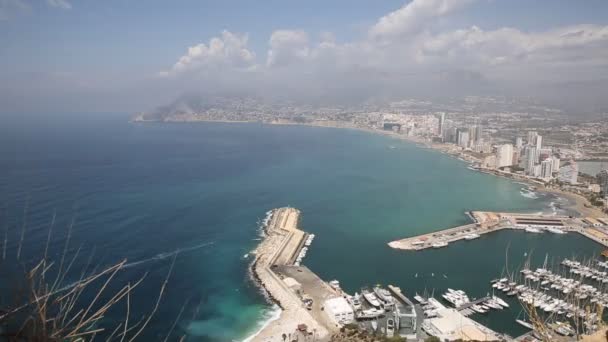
column 123, row 56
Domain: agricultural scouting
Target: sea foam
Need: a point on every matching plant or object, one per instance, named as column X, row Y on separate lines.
column 269, row 315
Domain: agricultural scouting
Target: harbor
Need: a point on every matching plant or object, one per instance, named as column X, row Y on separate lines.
column 313, row 309
column 562, row 302
column 487, row 222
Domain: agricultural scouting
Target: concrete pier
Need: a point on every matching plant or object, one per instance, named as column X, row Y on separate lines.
column 487, row 222
column 273, row 257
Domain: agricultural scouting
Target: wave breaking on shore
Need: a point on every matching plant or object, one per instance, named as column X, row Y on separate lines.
column 268, row 316
column 273, row 312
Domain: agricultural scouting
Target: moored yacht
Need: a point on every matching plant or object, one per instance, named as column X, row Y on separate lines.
column 533, row 230
column 555, row 230
column 500, row 301
column 471, row 236
column 439, row 244
column 525, row 324
column 478, row 309
column 371, row 298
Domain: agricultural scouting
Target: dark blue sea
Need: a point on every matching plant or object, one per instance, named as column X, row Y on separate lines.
column 153, row 192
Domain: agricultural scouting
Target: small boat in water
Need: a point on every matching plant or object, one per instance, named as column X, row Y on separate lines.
column 478, row 309
column 493, row 304
column 500, row 301
column 439, row 244
column 555, row 230
column 471, row 236
column 525, row 324
column 533, row 230
column 420, row 299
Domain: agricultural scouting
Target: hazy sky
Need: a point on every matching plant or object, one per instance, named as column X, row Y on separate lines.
column 95, row 56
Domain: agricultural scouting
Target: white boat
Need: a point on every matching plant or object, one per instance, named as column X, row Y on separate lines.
column 493, row 304
column 370, row 313
column 449, row 298
column 439, row 244
column 471, row 236
column 500, row 301
column 478, row 309
column 525, row 324
column 555, row 230
column 356, row 301
column 533, row 230
column 455, row 299
column 420, row 299
column 371, row 298
column 385, row 297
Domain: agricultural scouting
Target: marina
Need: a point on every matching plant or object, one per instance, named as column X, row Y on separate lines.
column 322, row 306
column 488, row 222
column 315, row 308
column 568, row 298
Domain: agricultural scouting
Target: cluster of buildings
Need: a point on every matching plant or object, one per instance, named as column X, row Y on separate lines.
column 524, row 155
column 483, row 143
column 378, row 310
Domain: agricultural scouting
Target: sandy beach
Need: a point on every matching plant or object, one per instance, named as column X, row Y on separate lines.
column 579, row 203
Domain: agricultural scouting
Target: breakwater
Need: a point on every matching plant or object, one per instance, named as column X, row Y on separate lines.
column 487, row 222
column 281, row 244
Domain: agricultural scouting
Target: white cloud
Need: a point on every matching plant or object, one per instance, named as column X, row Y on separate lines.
column 228, row 51
column 413, row 17
column 286, row 47
column 63, row 4
column 400, row 47
column 580, row 45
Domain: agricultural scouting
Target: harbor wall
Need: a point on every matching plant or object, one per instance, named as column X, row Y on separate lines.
column 282, row 241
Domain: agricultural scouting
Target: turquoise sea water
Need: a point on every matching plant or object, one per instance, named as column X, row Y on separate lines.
column 143, row 191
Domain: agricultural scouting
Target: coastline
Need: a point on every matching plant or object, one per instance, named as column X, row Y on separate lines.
column 579, row 202
column 264, row 319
